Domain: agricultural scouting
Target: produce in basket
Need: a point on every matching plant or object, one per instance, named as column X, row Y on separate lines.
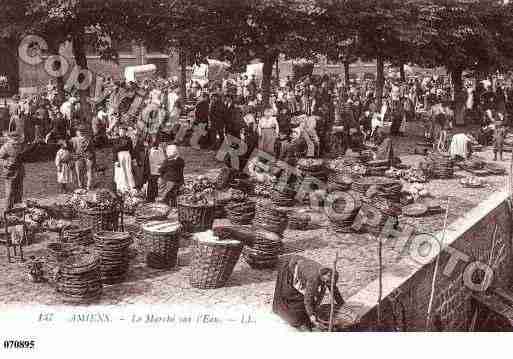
column 198, row 192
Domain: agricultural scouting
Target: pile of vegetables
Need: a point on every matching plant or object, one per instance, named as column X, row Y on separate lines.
column 198, row 192
column 103, row 200
column 418, row 190
column 131, row 200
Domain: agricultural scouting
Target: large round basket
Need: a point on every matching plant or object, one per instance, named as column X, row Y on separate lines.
column 99, row 220
column 161, row 241
column 195, row 218
column 213, row 262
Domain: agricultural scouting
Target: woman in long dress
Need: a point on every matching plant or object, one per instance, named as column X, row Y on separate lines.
column 268, row 131
column 123, row 155
column 63, row 163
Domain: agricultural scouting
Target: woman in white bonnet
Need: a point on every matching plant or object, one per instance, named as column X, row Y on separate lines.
column 171, row 176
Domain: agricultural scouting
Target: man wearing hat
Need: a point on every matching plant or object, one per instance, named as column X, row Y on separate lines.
column 85, row 157
column 12, row 156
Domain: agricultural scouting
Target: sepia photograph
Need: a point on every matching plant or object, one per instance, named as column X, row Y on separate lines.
column 287, row 166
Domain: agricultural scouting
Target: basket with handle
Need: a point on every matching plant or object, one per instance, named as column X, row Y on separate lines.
column 161, row 241
column 195, row 218
column 213, row 261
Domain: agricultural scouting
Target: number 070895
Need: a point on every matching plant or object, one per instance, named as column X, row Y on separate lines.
column 19, row 344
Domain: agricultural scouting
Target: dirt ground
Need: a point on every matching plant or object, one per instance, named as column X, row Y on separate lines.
column 247, row 287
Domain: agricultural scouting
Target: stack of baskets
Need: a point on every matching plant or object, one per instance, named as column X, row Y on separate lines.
column 338, row 181
column 282, row 195
column 113, row 249
column 442, row 166
column 386, row 206
column 264, row 251
column 151, row 212
column 244, row 185
column 388, row 188
column 313, row 172
column 222, row 198
column 161, row 243
column 100, row 219
column 342, row 211
column 377, row 167
column 195, row 218
column 270, row 218
column 78, row 279
column 78, row 235
column 241, row 212
column 58, row 252
column 213, row 260
column 298, row 221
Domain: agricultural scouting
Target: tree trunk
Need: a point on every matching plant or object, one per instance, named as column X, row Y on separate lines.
column 402, row 72
column 267, row 72
column 183, row 73
column 84, row 82
column 346, row 73
column 53, row 47
column 380, row 80
column 459, row 99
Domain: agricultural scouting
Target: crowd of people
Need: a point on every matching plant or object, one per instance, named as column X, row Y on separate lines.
column 142, row 121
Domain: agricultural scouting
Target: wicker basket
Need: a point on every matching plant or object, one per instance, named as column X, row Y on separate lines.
column 213, row 262
column 195, row 218
column 161, row 243
column 99, row 220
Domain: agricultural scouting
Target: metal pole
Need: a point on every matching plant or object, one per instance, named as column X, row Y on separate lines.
column 332, row 288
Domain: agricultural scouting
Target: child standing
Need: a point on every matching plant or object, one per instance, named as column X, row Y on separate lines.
column 63, row 164
column 156, row 158
column 498, row 140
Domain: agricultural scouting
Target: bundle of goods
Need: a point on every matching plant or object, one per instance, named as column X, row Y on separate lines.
column 312, row 167
column 56, row 225
column 433, row 207
column 442, row 166
column 348, row 167
column 339, row 182
column 161, row 243
column 344, row 317
column 415, row 210
column 270, row 217
column 298, row 220
column 387, row 188
column 113, row 250
column 196, row 206
column 240, row 211
column 471, row 182
column 98, row 210
column 264, row 250
column 151, row 212
column 214, row 255
column 78, row 235
column 131, row 200
column 78, row 279
column 342, row 211
column 417, row 190
column 414, row 175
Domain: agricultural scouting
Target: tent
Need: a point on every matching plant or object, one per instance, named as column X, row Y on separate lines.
column 213, row 71
column 137, row 73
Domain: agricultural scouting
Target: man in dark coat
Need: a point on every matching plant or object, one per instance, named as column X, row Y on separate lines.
column 12, row 156
column 217, row 121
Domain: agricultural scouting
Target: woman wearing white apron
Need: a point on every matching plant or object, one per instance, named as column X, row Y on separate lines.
column 268, row 131
column 123, row 154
